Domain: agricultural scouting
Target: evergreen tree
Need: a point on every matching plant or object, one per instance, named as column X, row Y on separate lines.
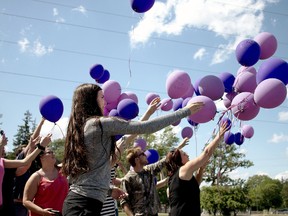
column 24, row 131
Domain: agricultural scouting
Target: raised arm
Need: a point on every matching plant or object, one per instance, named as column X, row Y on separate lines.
column 187, row 170
column 29, row 158
column 153, row 106
column 183, row 143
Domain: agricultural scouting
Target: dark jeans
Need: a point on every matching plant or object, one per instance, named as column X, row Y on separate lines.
column 77, row 205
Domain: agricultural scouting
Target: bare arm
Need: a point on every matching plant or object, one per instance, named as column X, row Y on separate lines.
column 186, row 171
column 127, row 209
column 183, row 143
column 162, row 183
column 200, row 172
column 29, row 158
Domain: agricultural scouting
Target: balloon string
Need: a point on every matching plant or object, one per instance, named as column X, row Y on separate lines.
column 60, row 130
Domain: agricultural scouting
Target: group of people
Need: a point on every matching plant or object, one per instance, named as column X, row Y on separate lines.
column 86, row 182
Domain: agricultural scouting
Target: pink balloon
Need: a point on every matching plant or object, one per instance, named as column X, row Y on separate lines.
column 140, row 143
column 247, row 131
column 177, row 84
column 251, row 69
column 150, row 96
column 185, row 101
column 270, row 93
column 245, row 82
column 166, row 104
column 111, row 90
column 129, row 95
column 187, row 132
column 244, row 107
column 207, row 112
column 267, row 43
column 212, row 87
column 112, row 105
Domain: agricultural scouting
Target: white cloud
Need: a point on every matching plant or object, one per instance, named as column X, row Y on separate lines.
column 226, row 20
column 37, row 48
column 283, row 116
column 282, row 176
column 80, row 9
column 200, row 54
column 24, row 44
column 277, row 138
column 235, row 174
column 55, row 12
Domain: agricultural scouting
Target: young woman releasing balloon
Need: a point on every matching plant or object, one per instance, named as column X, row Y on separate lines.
column 90, row 142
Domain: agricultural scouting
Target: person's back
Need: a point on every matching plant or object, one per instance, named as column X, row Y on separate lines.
column 184, row 196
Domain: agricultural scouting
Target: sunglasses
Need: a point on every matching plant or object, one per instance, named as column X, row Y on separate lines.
column 46, row 153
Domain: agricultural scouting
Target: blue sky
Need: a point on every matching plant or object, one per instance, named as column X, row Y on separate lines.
column 47, row 48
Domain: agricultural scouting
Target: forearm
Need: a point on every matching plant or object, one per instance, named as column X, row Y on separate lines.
column 199, row 174
column 127, row 209
column 32, row 207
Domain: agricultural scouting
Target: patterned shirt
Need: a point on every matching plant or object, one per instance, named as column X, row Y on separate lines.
column 143, row 197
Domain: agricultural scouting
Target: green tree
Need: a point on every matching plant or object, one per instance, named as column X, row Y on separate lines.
column 58, row 149
column 24, row 131
column 284, row 194
column 264, row 192
column 224, row 160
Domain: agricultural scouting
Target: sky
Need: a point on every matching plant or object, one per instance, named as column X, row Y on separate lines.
column 48, row 48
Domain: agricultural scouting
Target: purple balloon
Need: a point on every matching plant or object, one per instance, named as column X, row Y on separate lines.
column 187, row 132
column 245, row 82
column 152, row 156
column 140, row 143
column 247, row 131
column 130, row 95
column 150, row 96
column 177, row 103
column 207, row 112
column 111, row 90
column 270, row 93
column 212, row 87
column 268, row 44
column 113, row 112
column 248, row 52
column 51, row 108
column 227, row 121
column 166, row 104
column 177, row 84
column 244, row 107
column 196, row 87
column 96, row 71
column 141, row 6
column 251, row 69
column 185, row 101
column 227, row 99
column 228, row 80
column 189, row 93
column 110, row 106
column 127, row 109
column 239, row 138
column 273, row 68
column 105, row 77
column 229, row 137
column 194, row 124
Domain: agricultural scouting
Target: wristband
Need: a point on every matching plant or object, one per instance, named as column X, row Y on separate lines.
column 42, row 148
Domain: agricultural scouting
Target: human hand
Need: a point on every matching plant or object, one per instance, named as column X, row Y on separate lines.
column 3, row 140
column 184, row 142
column 118, row 193
column 223, row 128
column 195, row 107
column 46, row 140
column 153, row 106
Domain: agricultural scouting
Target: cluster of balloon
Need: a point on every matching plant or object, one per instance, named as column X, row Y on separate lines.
column 151, row 154
column 51, row 108
column 142, row 6
column 124, row 105
column 99, row 74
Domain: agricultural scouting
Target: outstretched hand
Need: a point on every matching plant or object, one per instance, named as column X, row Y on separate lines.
column 154, row 105
column 3, row 140
column 195, row 107
column 184, row 142
column 223, row 128
column 46, row 140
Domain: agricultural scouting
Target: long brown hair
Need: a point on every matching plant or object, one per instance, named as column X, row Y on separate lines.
column 173, row 161
column 84, row 106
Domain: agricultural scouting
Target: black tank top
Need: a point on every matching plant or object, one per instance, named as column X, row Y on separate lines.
column 184, row 196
